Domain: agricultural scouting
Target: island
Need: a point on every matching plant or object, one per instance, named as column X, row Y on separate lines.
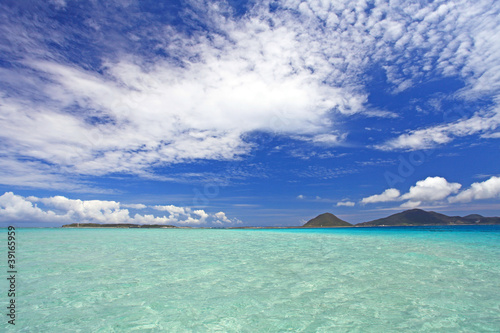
column 419, row 217
column 326, row 220
column 412, row 217
column 117, row 225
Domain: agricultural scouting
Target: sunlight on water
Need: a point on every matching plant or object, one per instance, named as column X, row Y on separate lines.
column 334, row 280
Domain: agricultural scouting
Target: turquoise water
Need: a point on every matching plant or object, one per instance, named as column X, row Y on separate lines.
column 440, row 279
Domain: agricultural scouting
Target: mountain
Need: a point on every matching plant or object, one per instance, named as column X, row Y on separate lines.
column 422, row 217
column 478, row 219
column 327, row 220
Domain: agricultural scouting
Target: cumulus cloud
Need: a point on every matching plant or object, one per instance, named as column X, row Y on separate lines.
column 172, row 209
column 221, row 218
column 488, row 189
column 186, row 215
column 202, row 214
column 86, row 210
column 390, row 194
column 59, row 209
column 428, row 190
column 14, row 208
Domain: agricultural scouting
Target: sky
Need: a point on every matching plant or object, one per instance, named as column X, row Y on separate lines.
column 247, row 113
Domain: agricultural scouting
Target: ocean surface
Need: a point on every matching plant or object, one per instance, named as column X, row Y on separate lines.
column 406, row 279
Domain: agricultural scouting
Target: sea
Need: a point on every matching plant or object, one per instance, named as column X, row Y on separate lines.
column 392, row 279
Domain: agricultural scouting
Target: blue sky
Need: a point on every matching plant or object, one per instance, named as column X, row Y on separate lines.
column 247, row 112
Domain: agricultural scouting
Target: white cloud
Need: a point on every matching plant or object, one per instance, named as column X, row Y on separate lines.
column 88, row 210
column 202, row 214
column 301, row 197
column 16, row 208
column 221, row 218
column 410, row 204
column 390, row 194
column 346, row 203
column 59, row 209
column 431, row 189
column 186, row 215
column 134, row 206
column 427, row 190
column 168, row 114
column 488, row 189
column 172, row 209
column 441, row 134
column 495, row 135
column 37, row 174
column 328, row 139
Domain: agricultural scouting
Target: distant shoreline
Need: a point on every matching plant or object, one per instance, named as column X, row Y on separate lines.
column 297, row 227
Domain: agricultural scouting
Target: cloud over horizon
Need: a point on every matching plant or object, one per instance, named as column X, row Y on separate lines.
column 59, row 209
column 438, row 189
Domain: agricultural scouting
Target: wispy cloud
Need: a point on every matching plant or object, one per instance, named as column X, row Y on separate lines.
column 346, row 203
column 442, row 134
column 320, row 172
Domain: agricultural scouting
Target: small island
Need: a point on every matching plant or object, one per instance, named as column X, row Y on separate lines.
column 118, row 225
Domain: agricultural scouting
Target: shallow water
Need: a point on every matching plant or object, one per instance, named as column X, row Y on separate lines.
column 444, row 279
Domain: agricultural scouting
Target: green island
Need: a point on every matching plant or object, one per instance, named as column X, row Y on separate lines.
column 412, row 217
column 326, row 220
